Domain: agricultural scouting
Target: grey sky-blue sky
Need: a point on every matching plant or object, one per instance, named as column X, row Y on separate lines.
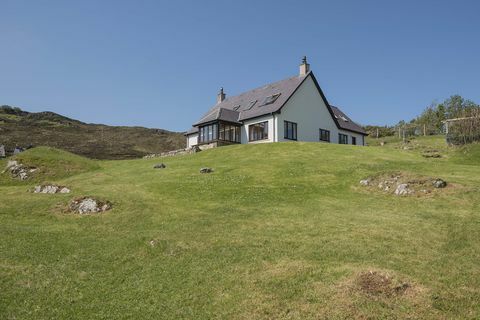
column 161, row 63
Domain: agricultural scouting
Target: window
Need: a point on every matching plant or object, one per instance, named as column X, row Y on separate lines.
column 342, row 138
column 236, row 108
column 324, row 135
column 229, row 132
column 271, row 99
column 354, row 141
column 258, row 131
column 290, row 130
column 208, row 133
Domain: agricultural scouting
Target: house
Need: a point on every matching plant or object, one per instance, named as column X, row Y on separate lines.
column 292, row 109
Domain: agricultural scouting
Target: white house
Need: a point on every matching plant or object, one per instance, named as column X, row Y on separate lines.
column 292, row 109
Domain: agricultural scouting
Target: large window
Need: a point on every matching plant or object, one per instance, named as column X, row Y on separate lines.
column 290, row 130
column 324, row 135
column 342, row 138
column 229, row 132
column 258, row 131
column 208, row 133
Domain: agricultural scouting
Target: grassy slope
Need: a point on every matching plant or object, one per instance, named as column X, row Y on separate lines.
column 90, row 140
column 277, row 231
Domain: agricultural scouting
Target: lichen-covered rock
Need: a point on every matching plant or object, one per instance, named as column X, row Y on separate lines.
column 206, row 170
column 439, row 183
column 51, row 189
column 88, row 205
column 402, row 190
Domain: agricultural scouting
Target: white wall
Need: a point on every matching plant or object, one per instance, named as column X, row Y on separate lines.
column 307, row 108
column 271, row 129
column 192, row 140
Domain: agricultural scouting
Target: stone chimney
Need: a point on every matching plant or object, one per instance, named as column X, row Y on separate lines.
column 220, row 96
column 304, row 67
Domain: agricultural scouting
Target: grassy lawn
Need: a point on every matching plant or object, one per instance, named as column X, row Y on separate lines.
column 278, row 231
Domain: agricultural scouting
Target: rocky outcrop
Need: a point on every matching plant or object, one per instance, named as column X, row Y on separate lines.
column 88, row 205
column 51, row 189
column 404, row 184
column 18, row 170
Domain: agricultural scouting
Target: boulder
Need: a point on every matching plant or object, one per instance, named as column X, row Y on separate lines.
column 439, row 183
column 88, row 205
column 206, row 170
column 159, row 166
column 402, row 189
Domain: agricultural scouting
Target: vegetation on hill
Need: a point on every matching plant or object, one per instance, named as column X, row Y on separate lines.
column 277, row 231
column 24, row 129
column 431, row 121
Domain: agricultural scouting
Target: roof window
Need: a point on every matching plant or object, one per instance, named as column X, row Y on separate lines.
column 251, row 104
column 270, row 99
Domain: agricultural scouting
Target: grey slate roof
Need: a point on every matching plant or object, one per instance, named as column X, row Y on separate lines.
column 242, row 101
column 239, row 108
column 347, row 124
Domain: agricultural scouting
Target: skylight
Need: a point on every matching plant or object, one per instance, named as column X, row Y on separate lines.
column 270, row 99
column 344, row 119
column 236, row 108
column 251, row 104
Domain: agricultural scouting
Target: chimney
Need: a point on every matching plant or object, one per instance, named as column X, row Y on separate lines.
column 304, row 67
column 220, row 96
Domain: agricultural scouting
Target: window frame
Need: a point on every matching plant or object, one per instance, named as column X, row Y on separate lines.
column 320, row 131
column 340, row 140
column 294, row 127
column 252, row 134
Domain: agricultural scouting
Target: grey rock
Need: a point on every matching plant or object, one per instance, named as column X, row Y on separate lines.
column 159, row 166
column 206, row 170
column 64, row 190
column 89, row 205
column 365, row 182
column 439, row 183
column 51, row 189
column 402, row 190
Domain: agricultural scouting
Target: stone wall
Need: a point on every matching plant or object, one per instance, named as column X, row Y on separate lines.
column 172, row 153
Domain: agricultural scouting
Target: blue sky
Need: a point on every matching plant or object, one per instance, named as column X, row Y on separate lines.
column 160, row 63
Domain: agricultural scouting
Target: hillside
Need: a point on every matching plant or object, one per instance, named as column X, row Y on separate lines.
column 96, row 141
column 277, row 231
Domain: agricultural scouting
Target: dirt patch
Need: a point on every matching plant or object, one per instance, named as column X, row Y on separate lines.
column 406, row 184
column 374, row 283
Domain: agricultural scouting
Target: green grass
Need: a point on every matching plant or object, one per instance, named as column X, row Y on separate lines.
column 278, row 231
